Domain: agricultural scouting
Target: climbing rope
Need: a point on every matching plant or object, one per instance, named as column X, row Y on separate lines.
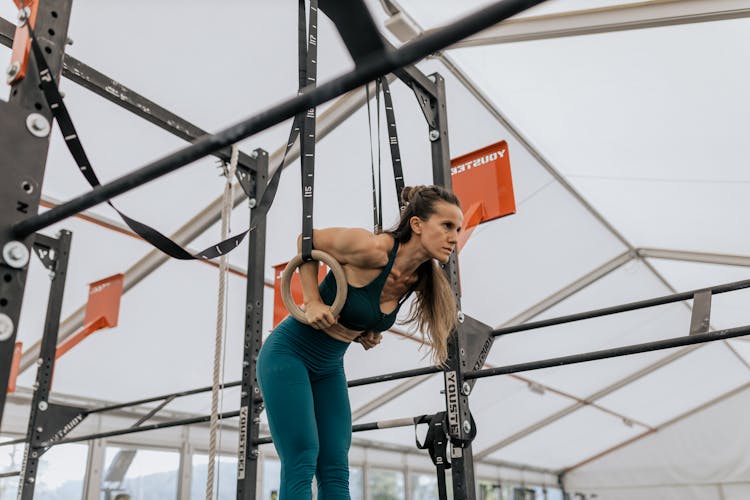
column 226, row 212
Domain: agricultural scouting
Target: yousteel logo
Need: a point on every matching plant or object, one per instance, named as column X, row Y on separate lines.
column 243, row 436
column 99, row 288
column 451, row 397
column 67, row 428
column 478, row 162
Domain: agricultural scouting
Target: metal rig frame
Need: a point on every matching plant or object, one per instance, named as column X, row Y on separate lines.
column 26, row 124
column 23, row 159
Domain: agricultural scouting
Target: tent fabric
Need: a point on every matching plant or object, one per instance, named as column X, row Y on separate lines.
column 618, row 141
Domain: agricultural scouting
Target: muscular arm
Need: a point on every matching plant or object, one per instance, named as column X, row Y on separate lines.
column 353, row 246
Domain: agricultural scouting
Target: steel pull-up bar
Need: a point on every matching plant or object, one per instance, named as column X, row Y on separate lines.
column 154, row 399
column 383, row 424
column 371, row 426
column 614, row 352
column 369, row 69
column 632, row 306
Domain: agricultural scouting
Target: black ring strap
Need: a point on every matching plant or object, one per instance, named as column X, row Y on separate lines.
column 398, row 173
column 308, row 66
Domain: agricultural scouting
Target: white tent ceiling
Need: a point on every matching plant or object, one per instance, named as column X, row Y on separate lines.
column 619, row 141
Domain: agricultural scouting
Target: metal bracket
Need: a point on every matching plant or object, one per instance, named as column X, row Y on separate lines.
column 46, row 252
column 57, row 422
column 700, row 321
column 425, row 104
column 478, row 340
column 246, row 174
column 245, row 177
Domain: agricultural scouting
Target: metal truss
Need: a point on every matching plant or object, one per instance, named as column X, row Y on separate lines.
column 648, row 14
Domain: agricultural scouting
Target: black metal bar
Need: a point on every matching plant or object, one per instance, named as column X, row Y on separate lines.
column 250, row 409
column 13, row 441
column 632, row 306
column 393, row 376
column 153, row 412
column 151, row 427
column 160, row 398
column 370, row 426
column 116, row 93
column 7, row 32
column 612, row 353
column 42, row 420
column 10, row 474
column 368, row 70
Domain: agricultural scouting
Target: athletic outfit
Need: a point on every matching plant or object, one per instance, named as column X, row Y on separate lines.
column 301, row 375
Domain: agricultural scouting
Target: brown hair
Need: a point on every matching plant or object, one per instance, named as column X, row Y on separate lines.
column 434, row 309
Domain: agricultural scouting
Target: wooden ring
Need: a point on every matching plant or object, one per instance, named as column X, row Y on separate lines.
column 338, row 273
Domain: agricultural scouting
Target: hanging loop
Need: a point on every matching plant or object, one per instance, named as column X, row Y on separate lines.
column 338, row 273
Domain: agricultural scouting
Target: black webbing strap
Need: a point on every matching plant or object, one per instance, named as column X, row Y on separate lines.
column 390, row 117
column 436, row 443
column 398, row 173
column 308, row 56
column 377, row 197
column 151, row 235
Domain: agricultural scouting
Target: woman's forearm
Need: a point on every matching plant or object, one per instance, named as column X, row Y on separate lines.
column 308, row 273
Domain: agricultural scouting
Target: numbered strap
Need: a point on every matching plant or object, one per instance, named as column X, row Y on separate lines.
column 308, row 74
column 390, row 117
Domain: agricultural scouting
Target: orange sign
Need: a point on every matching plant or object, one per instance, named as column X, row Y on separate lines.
column 482, row 181
column 102, row 311
column 104, row 300
column 483, row 176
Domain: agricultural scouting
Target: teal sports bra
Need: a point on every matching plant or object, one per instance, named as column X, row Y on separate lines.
column 361, row 310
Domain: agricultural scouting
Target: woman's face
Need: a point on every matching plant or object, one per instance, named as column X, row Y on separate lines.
column 439, row 233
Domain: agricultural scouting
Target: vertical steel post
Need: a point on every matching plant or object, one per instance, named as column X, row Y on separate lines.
column 47, row 421
column 25, row 122
column 456, row 397
column 250, row 409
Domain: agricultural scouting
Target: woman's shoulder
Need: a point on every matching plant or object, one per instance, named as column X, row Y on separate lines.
column 376, row 248
column 356, row 246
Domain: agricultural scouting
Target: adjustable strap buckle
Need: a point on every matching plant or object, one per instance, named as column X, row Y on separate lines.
column 436, row 443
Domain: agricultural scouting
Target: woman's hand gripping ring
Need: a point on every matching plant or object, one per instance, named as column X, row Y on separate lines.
column 338, row 273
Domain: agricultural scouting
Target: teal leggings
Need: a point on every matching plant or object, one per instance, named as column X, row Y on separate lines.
column 301, row 375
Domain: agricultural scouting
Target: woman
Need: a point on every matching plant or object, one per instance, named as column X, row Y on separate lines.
column 300, row 368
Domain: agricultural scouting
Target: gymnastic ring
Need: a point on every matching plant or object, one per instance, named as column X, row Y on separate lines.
column 338, row 273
